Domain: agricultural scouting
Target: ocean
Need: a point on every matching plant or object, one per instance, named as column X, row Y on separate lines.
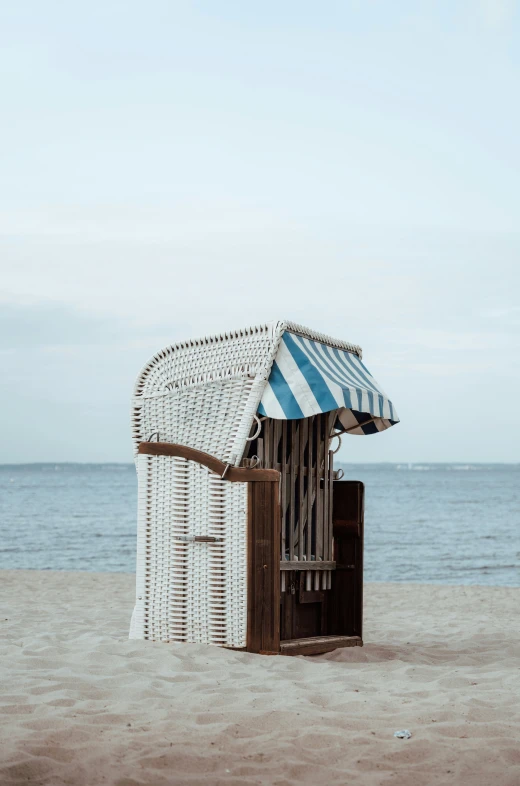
column 439, row 523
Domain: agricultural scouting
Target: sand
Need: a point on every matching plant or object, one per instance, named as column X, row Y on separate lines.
column 81, row 704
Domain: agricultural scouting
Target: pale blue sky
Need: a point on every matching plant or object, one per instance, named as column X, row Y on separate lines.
column 172, row 169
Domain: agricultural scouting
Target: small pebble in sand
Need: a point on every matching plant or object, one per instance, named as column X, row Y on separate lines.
column 404, row 734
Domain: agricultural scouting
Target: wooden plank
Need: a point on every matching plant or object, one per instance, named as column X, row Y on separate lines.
column 287, row 609
column 292, row 489
column 284, row 445
column 309, row 597
column 319, row 494
column 263, row 597
column 326, row 545
column 284, row 488
column 331, row 504
column 324, row 607
column 304, row 565
column 304, row 430
column 310, row 485
column 233, row 474
column 310, row 498
column 268, row 439
column 277, row 435
column 316, row 645
column 327, row 579
column 327, row 494
column 304, row 509
column 260, row 452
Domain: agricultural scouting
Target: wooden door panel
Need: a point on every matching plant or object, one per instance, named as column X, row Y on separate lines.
column 345, row 614
column 303, row 613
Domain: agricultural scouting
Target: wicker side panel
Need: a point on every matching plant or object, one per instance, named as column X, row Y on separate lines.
column 205, row 393
column 186, row 591
column 206, row 417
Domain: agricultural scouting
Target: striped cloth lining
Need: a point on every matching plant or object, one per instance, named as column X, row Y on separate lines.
column 308, row 377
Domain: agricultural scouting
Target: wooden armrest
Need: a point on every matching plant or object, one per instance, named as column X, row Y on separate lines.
column 233, row 474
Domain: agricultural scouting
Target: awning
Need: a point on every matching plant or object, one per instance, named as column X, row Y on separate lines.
column 309, row 377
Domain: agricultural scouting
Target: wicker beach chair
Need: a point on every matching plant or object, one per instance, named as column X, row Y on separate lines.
column 247, row 537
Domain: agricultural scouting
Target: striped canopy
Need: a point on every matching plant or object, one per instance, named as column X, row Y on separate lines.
column 309, row 377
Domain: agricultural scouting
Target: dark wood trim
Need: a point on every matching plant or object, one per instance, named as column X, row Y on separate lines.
column 263, row 569
column 347, row 527
column 318, row 644
column 310, row 596
column 233, row 474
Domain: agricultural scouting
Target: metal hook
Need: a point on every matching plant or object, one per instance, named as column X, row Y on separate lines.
column 258, row 430
column 337, row 436
column 153, row 435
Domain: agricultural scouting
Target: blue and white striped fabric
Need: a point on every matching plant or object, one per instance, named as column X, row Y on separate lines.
column 308, row 377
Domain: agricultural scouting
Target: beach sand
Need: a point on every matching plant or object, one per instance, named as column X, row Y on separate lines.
column 81, row 704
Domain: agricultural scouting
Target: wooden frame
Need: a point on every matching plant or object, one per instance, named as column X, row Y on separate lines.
column 263, row 591
column 233, row 474
column 298, row 449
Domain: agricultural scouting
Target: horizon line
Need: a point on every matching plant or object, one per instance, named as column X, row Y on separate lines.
column 131, row 463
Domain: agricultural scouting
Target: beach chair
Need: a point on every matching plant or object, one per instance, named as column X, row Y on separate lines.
column 247, row 536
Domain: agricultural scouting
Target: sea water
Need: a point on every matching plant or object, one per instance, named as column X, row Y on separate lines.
column 443, row 523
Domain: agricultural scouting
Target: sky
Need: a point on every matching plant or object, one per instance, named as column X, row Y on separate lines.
column 170, row 170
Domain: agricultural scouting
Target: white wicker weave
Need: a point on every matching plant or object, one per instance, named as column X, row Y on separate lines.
column 203, row 394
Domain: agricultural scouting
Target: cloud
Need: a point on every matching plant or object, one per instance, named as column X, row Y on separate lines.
column 460, row 341
column 498, row 14
column 506, row 315
column 40, row 325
